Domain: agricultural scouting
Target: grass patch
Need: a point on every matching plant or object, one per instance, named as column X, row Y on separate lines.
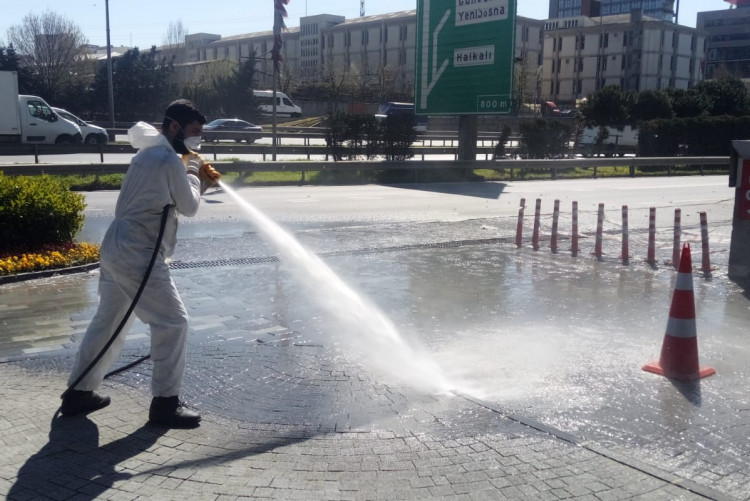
column 92, row 182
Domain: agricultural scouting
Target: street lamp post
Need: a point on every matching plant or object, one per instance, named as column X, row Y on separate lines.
column 110, row 88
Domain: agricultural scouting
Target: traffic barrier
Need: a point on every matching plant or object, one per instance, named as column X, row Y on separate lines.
column 519, row 225
column 706, row 261
column 651, row 257
column 679, row 351
column 625, row 238
column 599, row 232
column 537, row 215
column 555, row 217
column 574, row 233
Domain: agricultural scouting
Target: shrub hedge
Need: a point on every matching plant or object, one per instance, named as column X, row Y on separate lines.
column 37, row 210
column 699, row 136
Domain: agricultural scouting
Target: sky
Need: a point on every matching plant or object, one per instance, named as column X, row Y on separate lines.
column 143, row 23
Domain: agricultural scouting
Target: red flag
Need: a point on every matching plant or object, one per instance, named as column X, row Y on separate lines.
column 279, row 13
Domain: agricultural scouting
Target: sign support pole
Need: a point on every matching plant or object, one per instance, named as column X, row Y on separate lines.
column 739, row 247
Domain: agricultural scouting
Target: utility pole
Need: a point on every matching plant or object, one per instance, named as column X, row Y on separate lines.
column 361, row 8
column 110, row 87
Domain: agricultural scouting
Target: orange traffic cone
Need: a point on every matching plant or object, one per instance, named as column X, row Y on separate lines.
column 679, row 352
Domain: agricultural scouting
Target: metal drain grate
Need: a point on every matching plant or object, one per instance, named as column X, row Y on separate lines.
column 183, row 265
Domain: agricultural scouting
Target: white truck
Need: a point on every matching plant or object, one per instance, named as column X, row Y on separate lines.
column 29, row 119
column 613, row 142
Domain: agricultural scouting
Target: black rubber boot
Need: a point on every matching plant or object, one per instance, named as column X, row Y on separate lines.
column 170, row 412
column 75, row 402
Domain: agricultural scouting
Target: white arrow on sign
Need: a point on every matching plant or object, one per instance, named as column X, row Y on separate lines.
column 428, row 86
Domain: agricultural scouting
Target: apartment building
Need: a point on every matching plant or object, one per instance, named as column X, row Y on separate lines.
column 329, row 47
column 728, row 40
column 657, row 9
column 560, row 60
column 630, row 51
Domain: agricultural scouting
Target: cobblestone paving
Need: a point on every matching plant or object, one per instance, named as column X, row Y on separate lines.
column 455, row 450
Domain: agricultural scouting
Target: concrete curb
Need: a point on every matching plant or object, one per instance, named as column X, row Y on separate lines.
column 33, row 275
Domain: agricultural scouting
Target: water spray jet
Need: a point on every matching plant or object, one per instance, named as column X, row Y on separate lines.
column 376, row 337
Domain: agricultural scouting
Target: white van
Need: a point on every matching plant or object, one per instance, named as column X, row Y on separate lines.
column 92, row 134
column 284, row 106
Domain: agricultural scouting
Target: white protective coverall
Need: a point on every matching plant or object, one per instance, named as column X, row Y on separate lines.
column 156, row 177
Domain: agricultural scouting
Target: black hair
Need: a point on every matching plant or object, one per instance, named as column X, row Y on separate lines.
column 184, row 112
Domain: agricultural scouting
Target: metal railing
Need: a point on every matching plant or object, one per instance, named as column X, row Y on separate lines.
column 555, row 167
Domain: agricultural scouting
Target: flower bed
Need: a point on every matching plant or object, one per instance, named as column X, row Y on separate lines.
column 49, row 257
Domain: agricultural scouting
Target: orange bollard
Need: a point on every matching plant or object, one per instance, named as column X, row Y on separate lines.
column 599, row 232
column 555, row 217
column 625, row 237
column 651, row 258
column 679, row 351
column 519, row 225
column 677, row 235
column 574, row 232
column 537, row 215
column 706, row 261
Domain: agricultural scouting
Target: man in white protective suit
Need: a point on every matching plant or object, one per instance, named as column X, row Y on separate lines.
column 156, row 178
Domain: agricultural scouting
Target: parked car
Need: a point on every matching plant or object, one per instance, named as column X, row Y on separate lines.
column 232, row 129
column 92, row 134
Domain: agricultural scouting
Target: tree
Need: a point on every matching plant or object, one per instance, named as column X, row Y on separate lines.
column 174, row 41
column 53, row 48
column 724, row 96
column 686, row 103
column 544, row 138
column 606, row 107
column 236, row 91
column 142, row 88
column 650, row 105
column 9, row 61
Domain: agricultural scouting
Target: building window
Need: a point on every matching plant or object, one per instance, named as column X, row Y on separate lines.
column 580, row 42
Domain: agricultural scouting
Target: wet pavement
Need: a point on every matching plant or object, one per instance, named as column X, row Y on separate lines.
column 543, row 353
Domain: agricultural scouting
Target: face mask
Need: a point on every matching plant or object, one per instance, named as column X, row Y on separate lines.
column 192, row 143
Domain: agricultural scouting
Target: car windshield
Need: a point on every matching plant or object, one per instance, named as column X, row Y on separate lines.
column 215, row 123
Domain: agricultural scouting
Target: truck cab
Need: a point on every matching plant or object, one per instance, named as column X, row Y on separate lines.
column 40, row 124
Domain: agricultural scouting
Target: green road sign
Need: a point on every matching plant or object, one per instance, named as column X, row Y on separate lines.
column 465, row 52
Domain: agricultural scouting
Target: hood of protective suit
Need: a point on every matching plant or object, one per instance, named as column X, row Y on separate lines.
column 143, row 135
